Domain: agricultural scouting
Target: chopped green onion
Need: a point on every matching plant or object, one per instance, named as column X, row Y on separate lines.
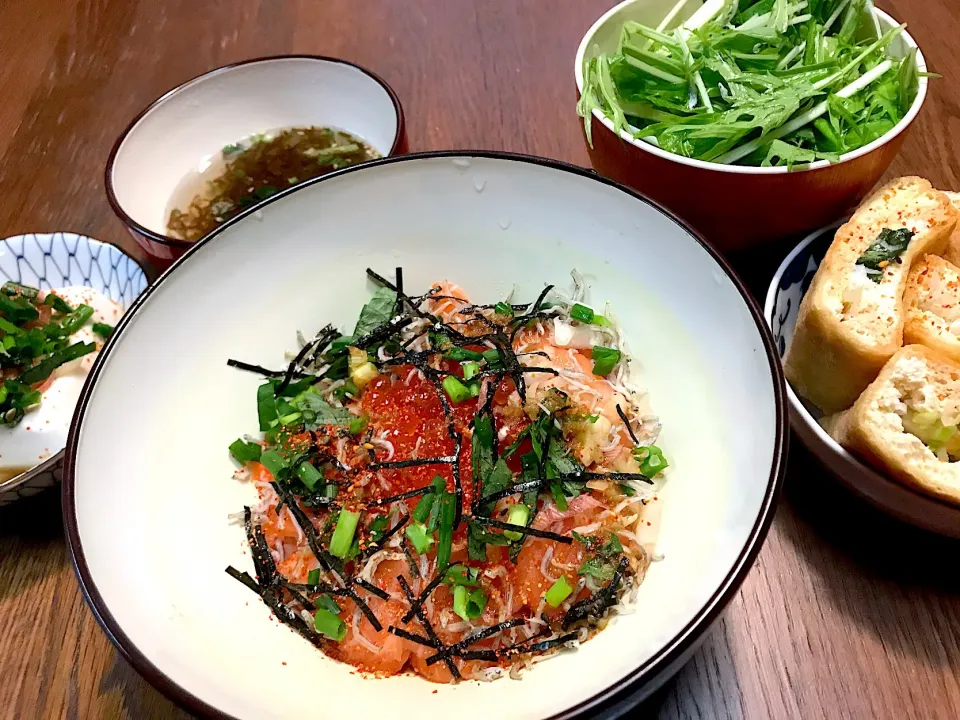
column 290, row 418
column 341, row 342
column 445, row 533
column 348, row 390
column 245, row 452
column 461, row 354
column 651, row 460
column 57, row 303
column 581, row 313
column 462, row 575
column 313, row 577
column 502, row 308
column 103, row 330
column 558, row 592
column 422, row 511
column 325, row 602
column 76, row 320
column 272, row 461
column 469, row 604
column 419, row 536
column 456, row 390
column 42, row 370
column 309, row 474
column 601, row 320
column 470, row 369
column 604, row 360
column 330, row 625
column 359, row 424
column 492, row 356
column 16, row 289
column 516, row 515
column 343, row 533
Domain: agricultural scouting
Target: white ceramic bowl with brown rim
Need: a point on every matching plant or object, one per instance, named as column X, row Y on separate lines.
column 177, row 133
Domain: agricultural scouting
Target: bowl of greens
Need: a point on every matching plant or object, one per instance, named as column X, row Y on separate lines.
column 798, row 107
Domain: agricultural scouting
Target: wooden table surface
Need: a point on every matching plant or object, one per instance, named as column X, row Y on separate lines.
column 846, row 614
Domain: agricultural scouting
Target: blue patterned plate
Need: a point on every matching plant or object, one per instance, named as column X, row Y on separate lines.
column 786, row 290
column 59, row 260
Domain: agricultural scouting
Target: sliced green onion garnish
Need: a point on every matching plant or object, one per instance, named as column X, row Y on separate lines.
column 57, row 303
column 103, row 330
column 461, row 575
column 42, row 370
column 309, row 474
column 76, row 320
column 470, row 369
column 422, row 511
column 330, row 625
column 651, row 460
column 502, row 308
column 9, row 327
column 14, row 288
column 604, row 360
column 343, row 533
column 558, row 592
column 325, row 602
column 461, row 354
column 313, row 577
column 272, row 461
column 445, row 533
column 359, row 424
column 516, row 515
column 601, row 320
column 419, row 536
column 469, row 604
column 492, row 356
column 245, row 452
column 581, row 313
column 456, row 390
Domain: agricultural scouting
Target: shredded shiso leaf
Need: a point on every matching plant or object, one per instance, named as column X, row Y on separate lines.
column 762, row 83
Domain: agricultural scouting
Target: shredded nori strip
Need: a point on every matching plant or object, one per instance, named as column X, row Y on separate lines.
column 364, row 608
column 412, row 637
column 283, row 613
column 523, row 529
column 371, row 588
column 474, row 638
column 422, row 598
column 428, row 628
column 626, row 424
column 260, row 370
column 263, row 562
column 413, row 462
column 323, row 338
column 375, row 547
column 521, row 648
column 618, row 476
column 520, row 487
column 596, row 605
column 306, row 526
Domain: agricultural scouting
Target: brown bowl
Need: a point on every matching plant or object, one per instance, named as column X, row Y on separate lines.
column 736, row 207
column 174, row 135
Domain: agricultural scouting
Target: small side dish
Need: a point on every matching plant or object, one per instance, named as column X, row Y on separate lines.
column 47, row 344
column 244, row 173
column 851, row 319
column 760, row 82
column 453, row 489
column 879, row 286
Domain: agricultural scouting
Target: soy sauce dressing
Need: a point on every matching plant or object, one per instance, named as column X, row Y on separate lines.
column 247, row 172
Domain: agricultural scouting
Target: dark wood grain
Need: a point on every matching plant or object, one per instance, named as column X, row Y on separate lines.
column 847, row 614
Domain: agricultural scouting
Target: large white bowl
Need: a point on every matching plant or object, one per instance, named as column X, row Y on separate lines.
column 148, row 485
column 786, row 290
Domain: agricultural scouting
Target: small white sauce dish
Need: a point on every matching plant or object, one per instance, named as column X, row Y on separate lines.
column 782, row 304
column 176, row 134
column 48, row 262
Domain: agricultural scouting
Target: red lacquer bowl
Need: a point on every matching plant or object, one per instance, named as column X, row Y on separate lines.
column 175, row 135
column 736, row 207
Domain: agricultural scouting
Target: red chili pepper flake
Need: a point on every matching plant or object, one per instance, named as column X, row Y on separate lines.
column 648, row 522
column 284, row 662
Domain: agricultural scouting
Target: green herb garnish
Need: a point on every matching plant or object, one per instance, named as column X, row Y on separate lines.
column 469, row 604
column 604, row 360
column 887, row 248
column 558, row 592
column 103, row 330
column 343, row 533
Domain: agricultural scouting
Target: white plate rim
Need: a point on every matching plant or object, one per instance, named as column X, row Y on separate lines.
column 614, row 699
